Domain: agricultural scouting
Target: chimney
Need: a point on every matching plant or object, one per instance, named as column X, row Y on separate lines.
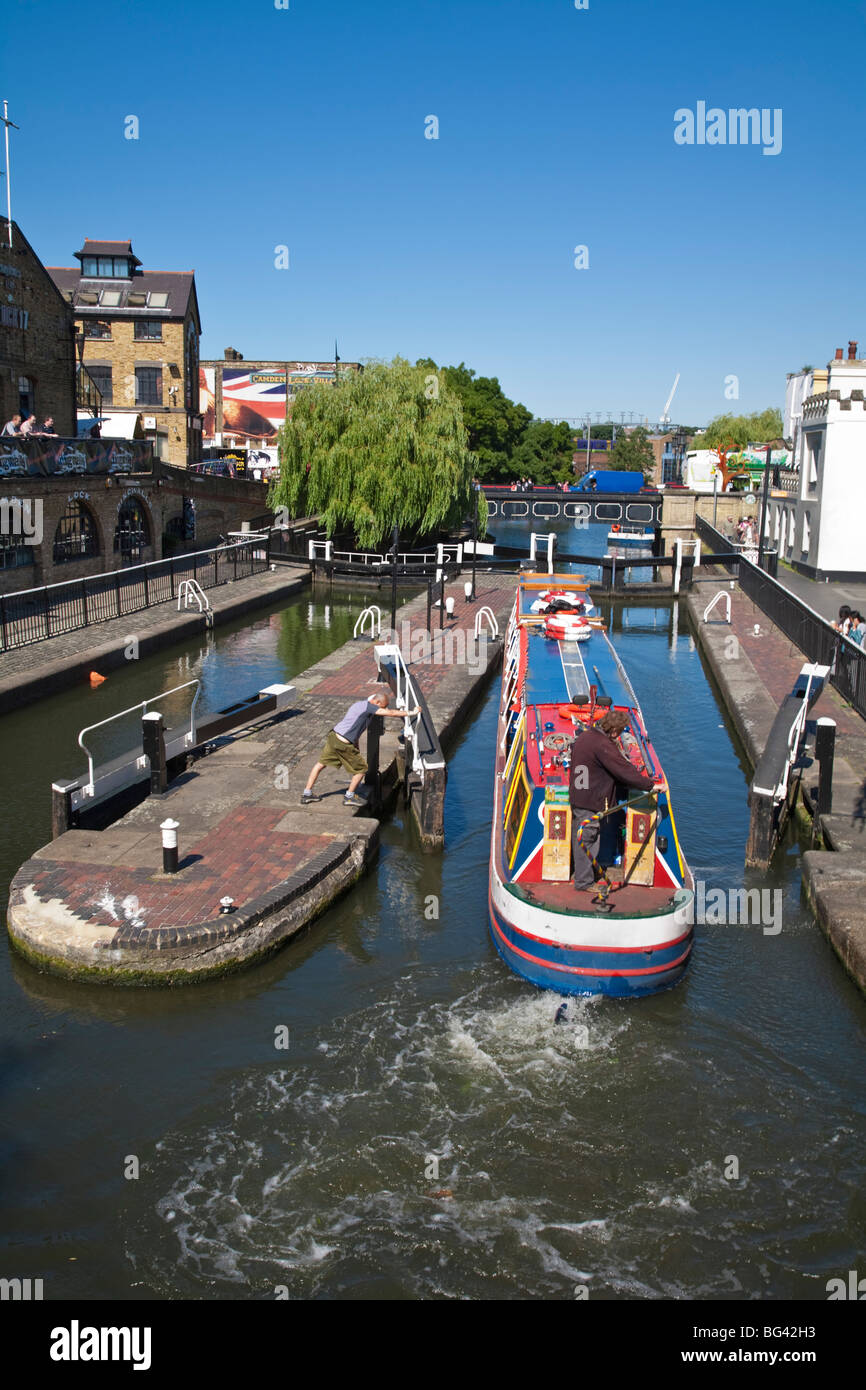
column 838, row 357
column 852, row 351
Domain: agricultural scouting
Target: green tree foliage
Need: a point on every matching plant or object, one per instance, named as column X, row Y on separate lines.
column 385, row 447
column 736, row 431
column 495, row 425
column 632, row 452
column 545, row 454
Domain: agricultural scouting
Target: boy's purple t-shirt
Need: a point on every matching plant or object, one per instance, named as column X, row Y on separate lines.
column 355, row 721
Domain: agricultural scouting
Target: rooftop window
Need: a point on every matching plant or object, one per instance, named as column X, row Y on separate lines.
column 106, row 267
column 110, row 298
column 158, row 300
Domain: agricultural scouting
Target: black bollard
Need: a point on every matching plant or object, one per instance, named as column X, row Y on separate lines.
column 153, row 747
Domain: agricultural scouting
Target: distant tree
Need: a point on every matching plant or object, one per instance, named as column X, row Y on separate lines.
column 545, row 454
column 380, row 449
column 633, row 452
column 736, row 431
column 494, row 424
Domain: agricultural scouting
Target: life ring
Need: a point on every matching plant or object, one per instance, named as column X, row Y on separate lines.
column 615, row 527
column 567, row 627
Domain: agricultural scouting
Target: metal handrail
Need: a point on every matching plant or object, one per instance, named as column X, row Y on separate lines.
column 374, row 612
column 152, row 699
column 490, row 618
column 167, row 560
column 406, row 694
column 723, row 593
column 190, row 588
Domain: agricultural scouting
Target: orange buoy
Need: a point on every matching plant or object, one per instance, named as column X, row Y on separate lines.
column 96, row 678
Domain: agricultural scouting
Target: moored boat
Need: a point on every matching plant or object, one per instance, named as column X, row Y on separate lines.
column 630, row 536
column 631, row 933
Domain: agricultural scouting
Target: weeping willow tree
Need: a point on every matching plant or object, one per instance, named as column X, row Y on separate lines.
column 386, row 447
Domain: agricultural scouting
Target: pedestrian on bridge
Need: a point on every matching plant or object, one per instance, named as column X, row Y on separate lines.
column 341, row 746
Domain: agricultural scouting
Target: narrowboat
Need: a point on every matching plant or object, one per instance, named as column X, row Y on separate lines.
column 631, row 933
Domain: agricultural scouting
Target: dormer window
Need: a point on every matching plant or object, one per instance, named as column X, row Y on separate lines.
column 106, row 267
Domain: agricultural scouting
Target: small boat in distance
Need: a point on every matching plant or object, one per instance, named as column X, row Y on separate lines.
column 631, row 934
column 630, row 536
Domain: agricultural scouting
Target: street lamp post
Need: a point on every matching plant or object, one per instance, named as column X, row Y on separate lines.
column 764, row 508
column 396, row 542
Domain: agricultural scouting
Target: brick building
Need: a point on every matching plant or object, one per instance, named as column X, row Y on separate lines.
column 37, row 338
column 90, row 525
column 141, row 345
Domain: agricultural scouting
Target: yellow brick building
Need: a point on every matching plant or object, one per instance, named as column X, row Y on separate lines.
column 140, row 345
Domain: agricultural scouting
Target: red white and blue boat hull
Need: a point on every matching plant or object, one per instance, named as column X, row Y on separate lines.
column 579, row 958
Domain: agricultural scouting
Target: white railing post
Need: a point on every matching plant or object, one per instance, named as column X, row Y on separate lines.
column 551, row 541
column 678, row 547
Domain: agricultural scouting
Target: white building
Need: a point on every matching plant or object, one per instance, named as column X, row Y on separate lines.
column 819, row 529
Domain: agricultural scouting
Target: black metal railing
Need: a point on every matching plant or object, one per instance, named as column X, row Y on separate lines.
column 33, row 615
column 729, row 551
column 816, row 638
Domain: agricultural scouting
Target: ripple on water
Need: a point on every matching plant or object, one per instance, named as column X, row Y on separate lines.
column 469, row 1149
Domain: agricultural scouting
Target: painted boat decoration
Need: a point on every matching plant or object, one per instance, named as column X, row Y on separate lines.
column 632, row 933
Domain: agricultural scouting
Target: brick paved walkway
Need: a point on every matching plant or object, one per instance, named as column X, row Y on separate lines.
column 775, row 662
column 93, row 900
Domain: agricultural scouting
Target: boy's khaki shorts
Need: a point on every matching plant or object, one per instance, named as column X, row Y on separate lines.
column 336, row 753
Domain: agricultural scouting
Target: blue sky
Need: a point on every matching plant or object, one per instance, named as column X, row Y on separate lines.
column 305, row 127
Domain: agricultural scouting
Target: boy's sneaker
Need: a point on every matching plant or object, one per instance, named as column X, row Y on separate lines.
column 353, row 801
column 307, row 797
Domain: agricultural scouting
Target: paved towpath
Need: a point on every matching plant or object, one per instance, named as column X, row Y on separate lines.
column 755, row 673
column 97, row 901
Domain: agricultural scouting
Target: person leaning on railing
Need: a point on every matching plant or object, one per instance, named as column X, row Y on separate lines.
column 857, row 629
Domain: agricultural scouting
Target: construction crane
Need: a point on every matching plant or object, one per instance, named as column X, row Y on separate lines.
column 666, row 419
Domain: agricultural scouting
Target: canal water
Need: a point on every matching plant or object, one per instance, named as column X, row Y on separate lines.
column 429, row 1131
